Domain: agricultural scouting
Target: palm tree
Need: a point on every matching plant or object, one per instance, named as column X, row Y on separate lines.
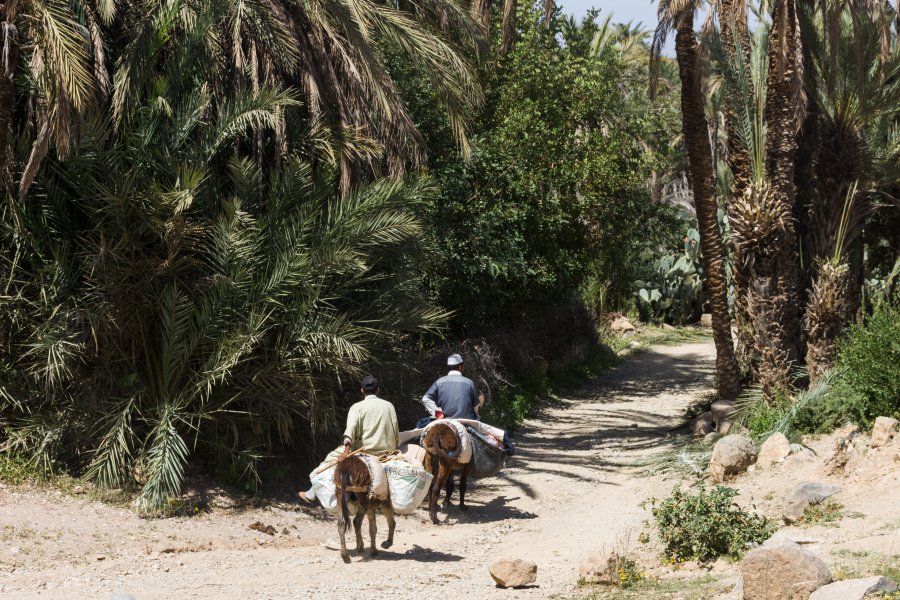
column 333, row 51
column 65, row 71
column 680, row 16
column 857, row 102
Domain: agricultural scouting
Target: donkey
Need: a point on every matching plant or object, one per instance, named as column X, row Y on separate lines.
column 442, row 448
column 353, row 482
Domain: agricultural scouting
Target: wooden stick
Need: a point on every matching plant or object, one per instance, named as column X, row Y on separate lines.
column 329, row 465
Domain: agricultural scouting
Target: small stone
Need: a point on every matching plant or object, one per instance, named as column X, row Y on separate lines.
column 706, row 320
column 100, row 557
column 882, row 431
column 786, row 571
column 667, row 327
column 854, row 589
column 621, row 325
column 598, row 571
column 722, row 410
column 804, row 494
column 702, row 425
column 732, row 454
column 775, row 449
column 724, row 427
column 513, row 573
column 78, row 489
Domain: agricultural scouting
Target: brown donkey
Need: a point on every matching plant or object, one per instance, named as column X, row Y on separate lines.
column 353, row 483
column 442, row 447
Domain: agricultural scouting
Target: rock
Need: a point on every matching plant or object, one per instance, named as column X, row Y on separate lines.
column 724, row 427
column 621, row 325
column 513, row 573
column 78, row 489
column 722, row 410
column 731, row 454
column 775, row 449
column 599, row 570
column 702, row 425
column 783, row 572
column 804, row 494
column 706, row 320
column 854, row 589
column 882, row 431
column 667, row 327
column 789, row 535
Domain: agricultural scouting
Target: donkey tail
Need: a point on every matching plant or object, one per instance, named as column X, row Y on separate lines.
column 345, row 498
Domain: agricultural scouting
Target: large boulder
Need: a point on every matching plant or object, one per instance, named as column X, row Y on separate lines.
column 882, row 431
column 775, row 449
column 622, row 325
column 803, row 495
column 784, row 572
column 513, row 573
column 854, row 589
column 732, row 454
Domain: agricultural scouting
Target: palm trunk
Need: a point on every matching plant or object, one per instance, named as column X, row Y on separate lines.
column 775, row 281
column 828, row 314
column 9, row 57
column 509, row 26
column 701, row 175
column 733, row 24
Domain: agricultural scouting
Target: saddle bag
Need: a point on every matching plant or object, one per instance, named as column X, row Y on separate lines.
column 408, row 485
column 488, row 458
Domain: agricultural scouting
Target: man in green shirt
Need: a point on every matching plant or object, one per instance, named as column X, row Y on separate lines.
column 371, row 424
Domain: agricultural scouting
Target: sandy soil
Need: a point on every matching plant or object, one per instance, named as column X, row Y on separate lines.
column 568, row 494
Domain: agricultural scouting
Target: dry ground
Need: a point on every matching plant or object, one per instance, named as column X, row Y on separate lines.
column 569, row 493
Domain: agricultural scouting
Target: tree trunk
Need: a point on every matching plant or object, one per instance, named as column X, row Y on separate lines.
column 733, row 24
column 828, row 314
column 8, row 62
column 509, row 26
column 775, row 281
column 701, row 176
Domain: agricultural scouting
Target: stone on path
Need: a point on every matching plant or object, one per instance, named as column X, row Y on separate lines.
column 882, row 431
column 784, row 572
column 621, row 325
column 722, row 410
column 732, row 454
column 854, row 589
column 790, row 535
column 702, row 425
column 599, row 570
column 513, row 573
column 804, row 494
column 775, row 449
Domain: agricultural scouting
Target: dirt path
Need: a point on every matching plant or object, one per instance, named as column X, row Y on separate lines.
column 567, row 494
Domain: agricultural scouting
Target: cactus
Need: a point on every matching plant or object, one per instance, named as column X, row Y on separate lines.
column 675, row 292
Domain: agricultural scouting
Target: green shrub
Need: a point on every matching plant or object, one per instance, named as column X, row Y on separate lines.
column 706, row 525
column 868, row 365
column 866, row 381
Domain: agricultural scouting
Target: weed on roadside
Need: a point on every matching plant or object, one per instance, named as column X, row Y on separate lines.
column 702, row 588
column 857, row 564
column 826, row 513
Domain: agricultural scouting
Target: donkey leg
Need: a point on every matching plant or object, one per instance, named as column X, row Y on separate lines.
column 388, row 511
column 463, row 485
column 373, row 528
column 341, row 524
column 437, row 485
column 357, row 527
column 449, row 491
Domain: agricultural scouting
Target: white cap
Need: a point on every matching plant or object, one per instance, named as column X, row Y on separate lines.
column 454, row 360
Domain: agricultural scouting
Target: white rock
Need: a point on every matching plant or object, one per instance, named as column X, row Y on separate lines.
column 804, row 494
column 882, row 431
column 854, row 589
column 775, row 449
column 731, row 454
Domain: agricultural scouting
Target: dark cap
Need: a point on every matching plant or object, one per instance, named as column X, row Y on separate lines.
column 369, row 384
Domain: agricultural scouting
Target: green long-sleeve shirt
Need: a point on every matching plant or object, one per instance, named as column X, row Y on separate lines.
column 372, row 424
